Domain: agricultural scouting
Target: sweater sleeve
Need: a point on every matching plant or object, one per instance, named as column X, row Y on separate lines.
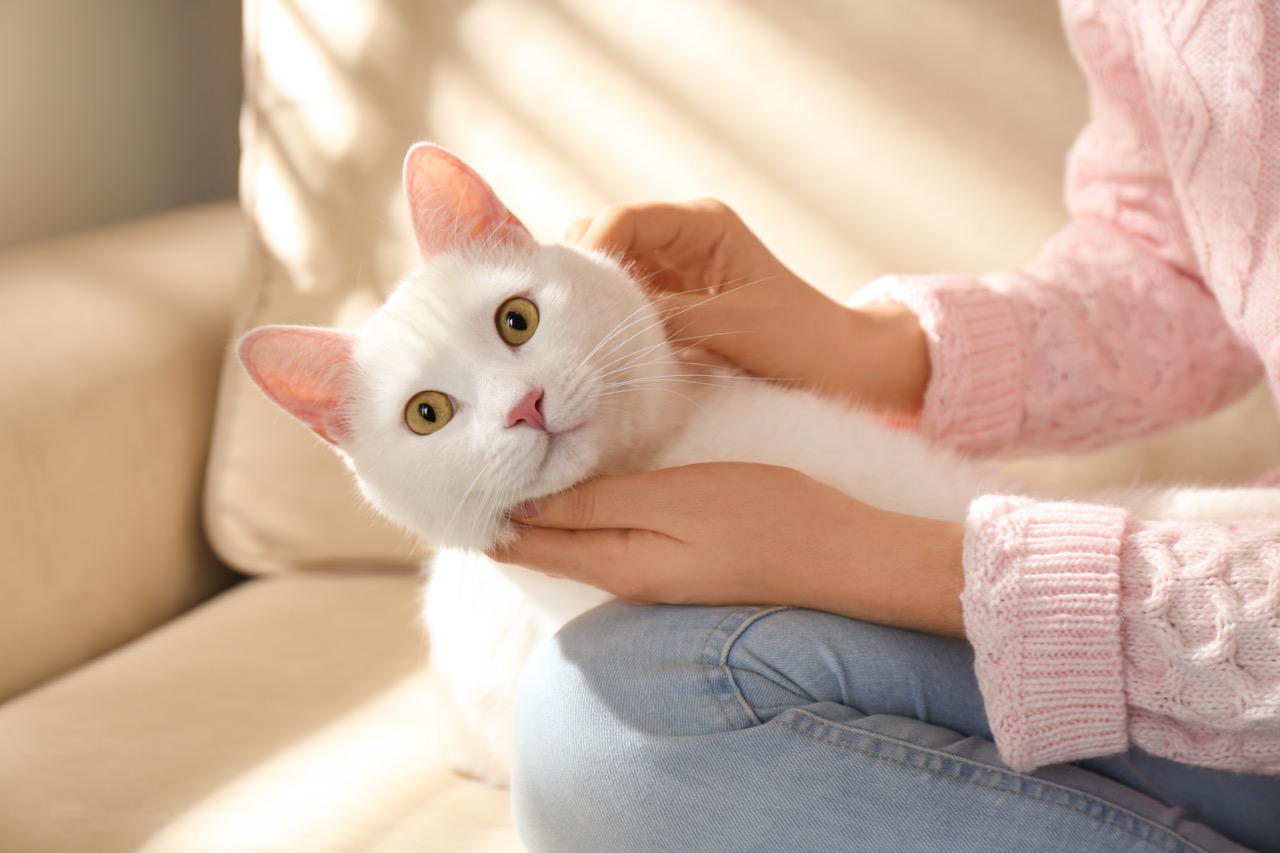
column 1096, row 342
column 1110, row 332
column 1095, row 631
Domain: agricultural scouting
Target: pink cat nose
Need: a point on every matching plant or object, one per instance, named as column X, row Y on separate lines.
column 529, row 411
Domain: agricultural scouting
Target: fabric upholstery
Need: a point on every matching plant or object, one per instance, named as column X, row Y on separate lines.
column 284, row 715
column 112, row 342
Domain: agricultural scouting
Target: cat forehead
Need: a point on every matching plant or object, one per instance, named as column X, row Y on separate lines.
column 452, row 300
column 457, row 288
column 448, row 284
column 440, row 312
column 443, row 293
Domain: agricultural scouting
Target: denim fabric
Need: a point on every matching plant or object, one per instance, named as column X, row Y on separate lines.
column 698, row 729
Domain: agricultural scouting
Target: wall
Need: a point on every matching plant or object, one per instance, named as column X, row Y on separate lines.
column 113, row 110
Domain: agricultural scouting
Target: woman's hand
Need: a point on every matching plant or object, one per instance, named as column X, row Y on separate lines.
column 740, row 533
column 720, row 287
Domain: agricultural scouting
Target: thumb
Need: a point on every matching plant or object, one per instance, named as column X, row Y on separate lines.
column 578, row 229
column 605, row 503
column 578, row 508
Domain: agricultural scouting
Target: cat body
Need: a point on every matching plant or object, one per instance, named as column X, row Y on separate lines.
column 503, row 370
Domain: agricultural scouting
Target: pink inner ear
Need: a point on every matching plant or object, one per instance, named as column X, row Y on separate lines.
column 305, row 371
column 453, row 207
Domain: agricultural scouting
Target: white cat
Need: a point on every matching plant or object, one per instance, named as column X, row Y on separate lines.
column 503, row 370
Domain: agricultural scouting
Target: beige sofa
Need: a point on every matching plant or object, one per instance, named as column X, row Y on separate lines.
column 160, row 698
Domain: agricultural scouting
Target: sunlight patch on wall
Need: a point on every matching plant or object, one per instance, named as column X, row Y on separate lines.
column 303, row 71
column 280, row 211
column 846, row 137
column 824, row 153
column 345, row 27
column 563, row 121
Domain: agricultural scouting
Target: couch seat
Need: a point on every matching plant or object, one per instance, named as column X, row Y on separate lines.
column 284, row 715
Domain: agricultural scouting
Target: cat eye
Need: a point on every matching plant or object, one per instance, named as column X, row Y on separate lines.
column 517, row 320
column 427, row 411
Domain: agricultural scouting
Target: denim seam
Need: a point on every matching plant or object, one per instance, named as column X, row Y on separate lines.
column 1154, row 833
column 715, row 657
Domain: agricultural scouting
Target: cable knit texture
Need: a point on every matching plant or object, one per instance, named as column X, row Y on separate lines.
column 1202, row 641
column 1157, row 303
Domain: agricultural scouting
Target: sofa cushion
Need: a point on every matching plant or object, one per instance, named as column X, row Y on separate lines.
column 856, row 138
column 112, row 341
column 285, row 714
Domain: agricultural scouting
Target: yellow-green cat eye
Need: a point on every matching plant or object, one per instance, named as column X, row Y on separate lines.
column 517, row 320
column 427, row 411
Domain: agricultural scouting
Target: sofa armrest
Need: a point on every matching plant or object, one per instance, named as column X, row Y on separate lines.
column 111, row 343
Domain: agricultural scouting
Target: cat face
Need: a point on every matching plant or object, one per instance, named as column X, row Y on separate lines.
column 499, row 371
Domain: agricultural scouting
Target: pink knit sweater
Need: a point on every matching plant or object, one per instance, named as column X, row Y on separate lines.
column 1159, row 302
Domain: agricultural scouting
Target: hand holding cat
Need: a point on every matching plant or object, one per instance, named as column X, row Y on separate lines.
column 722, row 288
column 739, row 533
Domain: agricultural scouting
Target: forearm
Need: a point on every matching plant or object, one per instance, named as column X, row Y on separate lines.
column 909, row 574
column 885, row 363
column 742, row 534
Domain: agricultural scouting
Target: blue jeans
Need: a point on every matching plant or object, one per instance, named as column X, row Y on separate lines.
column 698, row 729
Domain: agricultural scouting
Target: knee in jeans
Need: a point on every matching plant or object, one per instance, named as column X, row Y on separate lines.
column 568, row 760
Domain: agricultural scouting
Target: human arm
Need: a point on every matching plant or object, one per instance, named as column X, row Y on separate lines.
column 1095, row 631
column 1100, row 339
column 738, row 533
column 1046, row 604
column 1132, row 317
column 721, row 289
column 1096, row 342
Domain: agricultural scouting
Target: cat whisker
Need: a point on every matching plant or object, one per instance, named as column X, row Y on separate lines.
column 661, row 318
column 665, row 389
column 622, row 325
column 686, row 345
column 466, row 494
column 636, row 317
column 628, row 355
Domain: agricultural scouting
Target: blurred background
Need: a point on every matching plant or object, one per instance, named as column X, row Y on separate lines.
column 114, row 110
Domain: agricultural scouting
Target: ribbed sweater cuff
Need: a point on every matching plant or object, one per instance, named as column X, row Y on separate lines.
column 1042, row 610
column 974, row 399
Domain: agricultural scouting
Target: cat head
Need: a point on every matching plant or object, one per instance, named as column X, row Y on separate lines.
column 500, row 370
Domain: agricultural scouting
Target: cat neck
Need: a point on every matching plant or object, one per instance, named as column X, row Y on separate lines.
column 695, row 377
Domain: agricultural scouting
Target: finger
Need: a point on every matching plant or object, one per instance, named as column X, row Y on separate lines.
column 573, row 234
column 717, row 322
column 612, row 560
column 626, row 502
column 592, row 233
column 654, row 227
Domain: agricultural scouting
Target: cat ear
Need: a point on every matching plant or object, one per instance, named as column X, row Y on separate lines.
column 305, row 371
column 452, row 206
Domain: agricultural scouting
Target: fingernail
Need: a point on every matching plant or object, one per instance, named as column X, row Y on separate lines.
column 527, row 510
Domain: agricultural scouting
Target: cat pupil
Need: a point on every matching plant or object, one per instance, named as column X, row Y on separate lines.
column 427, row 413
column 517, row 322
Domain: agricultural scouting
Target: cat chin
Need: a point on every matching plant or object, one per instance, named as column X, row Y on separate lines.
column 574, row 458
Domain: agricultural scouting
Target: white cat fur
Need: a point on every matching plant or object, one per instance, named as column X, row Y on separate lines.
column 456, row 487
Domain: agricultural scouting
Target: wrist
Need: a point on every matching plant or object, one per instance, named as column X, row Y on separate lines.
column 939, row 583
column 888, row 365
column 885, row 567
